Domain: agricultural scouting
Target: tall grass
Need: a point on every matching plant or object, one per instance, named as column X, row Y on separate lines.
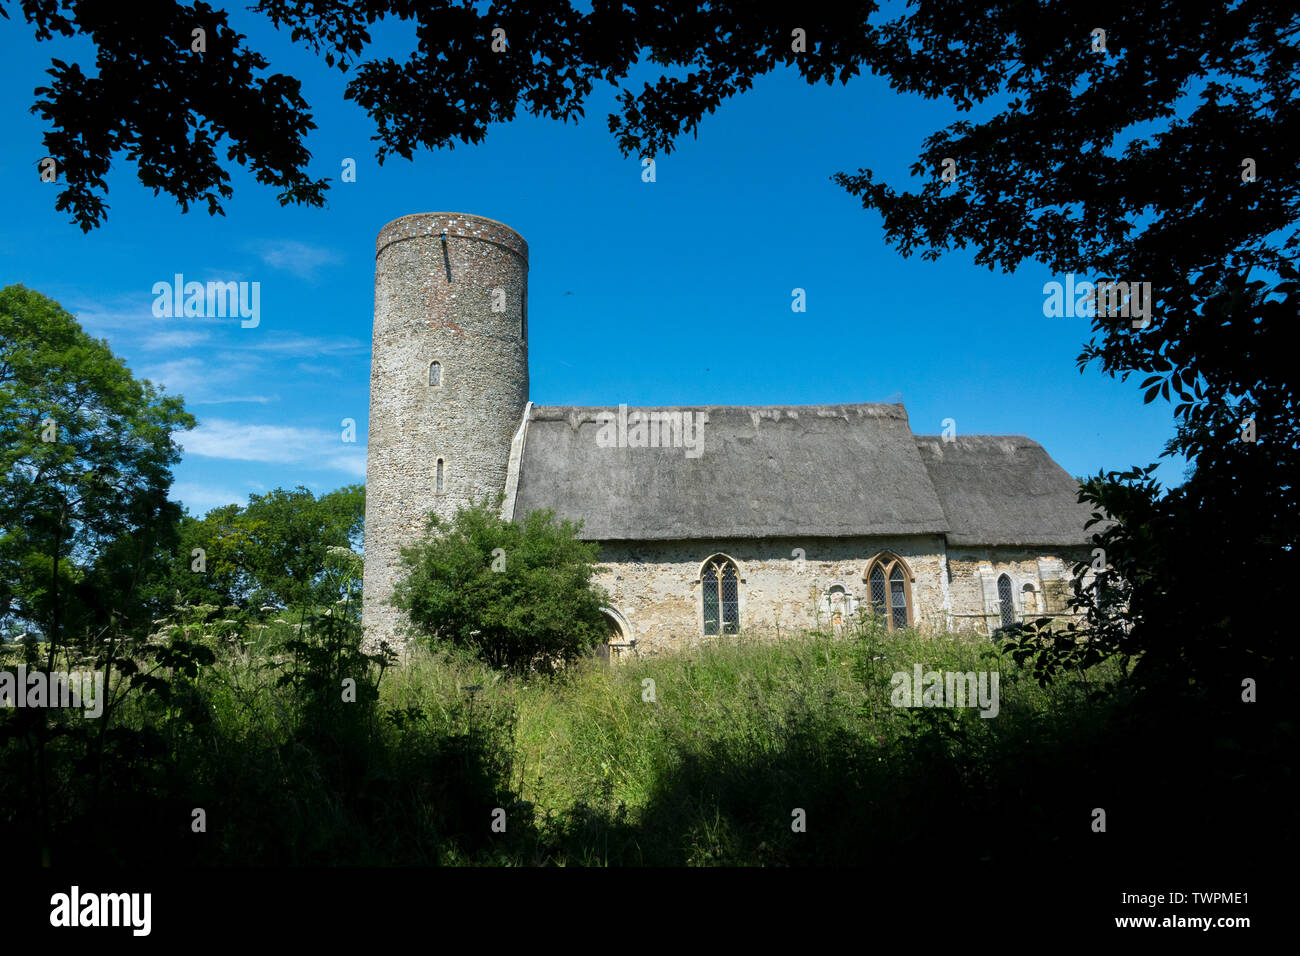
column 713, row 755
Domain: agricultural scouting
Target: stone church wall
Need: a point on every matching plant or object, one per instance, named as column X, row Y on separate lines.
column 655, row 586
column 1040, row 583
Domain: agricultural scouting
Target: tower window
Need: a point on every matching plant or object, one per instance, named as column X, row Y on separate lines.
column 435, row 374
column 439, row 479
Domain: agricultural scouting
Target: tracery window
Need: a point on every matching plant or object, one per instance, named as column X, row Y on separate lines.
column 889, row 585
column 720, row 589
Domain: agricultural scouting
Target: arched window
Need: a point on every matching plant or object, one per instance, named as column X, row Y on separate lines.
column 1006, row 601
column 889, row 586
column 435, row 374
column 438, row 481
column 720, row 589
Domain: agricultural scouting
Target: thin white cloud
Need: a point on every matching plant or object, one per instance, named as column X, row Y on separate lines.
column 175, row 339
column 320, row 448
column 298, row 258
column 314, row 368
column 198, row 381
column 300, row 346
column 239, row 400
column 351, row 463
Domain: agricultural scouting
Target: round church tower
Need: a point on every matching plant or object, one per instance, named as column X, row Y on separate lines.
column 448, row 383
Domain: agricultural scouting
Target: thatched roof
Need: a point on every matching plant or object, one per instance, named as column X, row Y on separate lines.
column 1004, row 489
column 787, row 471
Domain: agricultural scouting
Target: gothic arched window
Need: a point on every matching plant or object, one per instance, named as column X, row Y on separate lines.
column 1006, row 601
column 435, row 374
column 889, row 586
column 720, row 590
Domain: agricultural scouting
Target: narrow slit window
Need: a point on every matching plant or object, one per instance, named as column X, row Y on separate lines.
column 438, row 479
column 435, row 374
column 1006, row 601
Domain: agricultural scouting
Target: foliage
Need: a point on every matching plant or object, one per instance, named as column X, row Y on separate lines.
column 1160, row 120
column 276, row 551
column 327, row 651
column 520, row 594
column 151, row 96
column 85, row 466
column 589, row 770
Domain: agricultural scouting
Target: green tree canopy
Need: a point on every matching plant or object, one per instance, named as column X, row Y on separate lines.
column 520, row 594
column 1143, row 141
column 275, row 551
column 86, row 453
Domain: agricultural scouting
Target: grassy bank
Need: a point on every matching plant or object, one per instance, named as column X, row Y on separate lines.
column 737, row 752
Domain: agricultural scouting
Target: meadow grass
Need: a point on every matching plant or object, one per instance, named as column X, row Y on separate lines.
column 743, row 750
column 702, row 756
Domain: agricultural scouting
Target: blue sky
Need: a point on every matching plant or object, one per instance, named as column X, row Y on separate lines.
column 675, row 292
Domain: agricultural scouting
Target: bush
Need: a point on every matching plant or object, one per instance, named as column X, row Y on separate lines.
column 520, row 595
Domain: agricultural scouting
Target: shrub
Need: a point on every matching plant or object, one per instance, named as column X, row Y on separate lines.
column 519, row 594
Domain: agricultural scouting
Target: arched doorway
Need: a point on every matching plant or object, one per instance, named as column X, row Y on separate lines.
column 617, row 636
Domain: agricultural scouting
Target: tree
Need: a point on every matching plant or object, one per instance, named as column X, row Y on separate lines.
column 151, row 80
column 1143, row 142
column 274, row 551
column 86, row 453
column 520, row 594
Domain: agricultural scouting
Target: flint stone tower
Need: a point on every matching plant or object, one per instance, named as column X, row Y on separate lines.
column 448, row 383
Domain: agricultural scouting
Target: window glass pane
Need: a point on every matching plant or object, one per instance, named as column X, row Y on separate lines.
column 898, row 599
column 435, row 374
column 1005, row 599
column 710, row 586
column 730, row 600
column 878, row 592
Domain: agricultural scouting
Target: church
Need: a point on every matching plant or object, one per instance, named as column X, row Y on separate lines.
column 711, row 520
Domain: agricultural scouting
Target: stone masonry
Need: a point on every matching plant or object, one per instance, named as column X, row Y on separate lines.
column 830, row 484
column 452, row 289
